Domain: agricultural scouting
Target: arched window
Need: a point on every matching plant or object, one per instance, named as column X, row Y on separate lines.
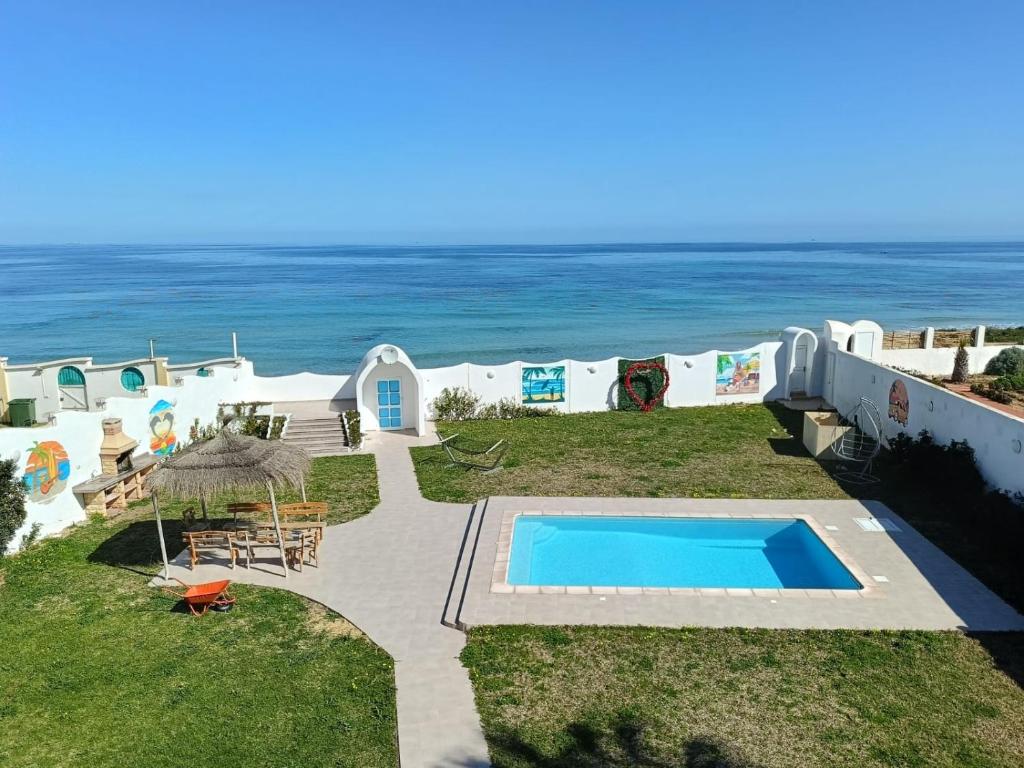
column 69, row 376
column 132, row 379
column 203, row 372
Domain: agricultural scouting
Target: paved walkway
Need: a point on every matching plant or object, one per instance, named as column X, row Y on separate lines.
column 389, row 573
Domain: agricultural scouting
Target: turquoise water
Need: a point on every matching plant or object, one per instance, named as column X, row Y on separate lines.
column 672, row 552
column 321, row 308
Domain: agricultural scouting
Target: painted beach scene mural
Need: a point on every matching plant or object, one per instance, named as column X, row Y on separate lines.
column 543, row 384
column 47, row 471
column 738, row 373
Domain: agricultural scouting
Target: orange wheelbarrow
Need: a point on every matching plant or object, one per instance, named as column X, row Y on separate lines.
column 201, row 597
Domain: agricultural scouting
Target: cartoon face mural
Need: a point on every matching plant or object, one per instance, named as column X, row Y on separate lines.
column 47, row 471
column 161, row 424
column 738, row 374
column 899, row 402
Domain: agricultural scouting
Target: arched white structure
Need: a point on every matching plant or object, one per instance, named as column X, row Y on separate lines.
column 389, row 391
column 867, row 339
column 801, row 346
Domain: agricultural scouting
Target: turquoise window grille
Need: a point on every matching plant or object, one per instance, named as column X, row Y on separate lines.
column 69, row 376
column 132, row 379
column 203, row 372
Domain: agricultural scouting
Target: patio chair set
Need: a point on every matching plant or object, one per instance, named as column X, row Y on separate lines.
column 302, row 526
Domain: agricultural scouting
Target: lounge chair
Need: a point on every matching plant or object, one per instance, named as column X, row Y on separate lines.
column 463, row 453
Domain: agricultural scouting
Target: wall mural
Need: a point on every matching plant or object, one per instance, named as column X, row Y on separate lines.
column 738, row 374
column 161, row 424
column 544, row 385
column 47, row 471
column 899, row 402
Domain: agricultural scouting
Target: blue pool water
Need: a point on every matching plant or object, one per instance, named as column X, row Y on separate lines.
column 672, row 552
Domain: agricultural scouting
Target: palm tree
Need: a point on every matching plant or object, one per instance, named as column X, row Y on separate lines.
column 529, row 374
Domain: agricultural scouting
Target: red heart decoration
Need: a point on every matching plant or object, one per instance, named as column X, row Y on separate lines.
column 646, row 365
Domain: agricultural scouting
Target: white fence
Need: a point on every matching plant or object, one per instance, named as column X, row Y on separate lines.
column 996, row 437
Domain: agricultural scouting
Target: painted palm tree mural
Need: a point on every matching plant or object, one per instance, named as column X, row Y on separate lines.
column 543, row 384
column 47, row 471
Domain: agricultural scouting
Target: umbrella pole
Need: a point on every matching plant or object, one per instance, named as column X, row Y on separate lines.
column 202, row 505
column 160, row 534
column 302, row 485
column 277, row 527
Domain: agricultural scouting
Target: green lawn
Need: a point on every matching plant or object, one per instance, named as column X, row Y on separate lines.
column 347, row 483
column 738, row 451
column 689, row 698
column 98, row 669
column 745, row 451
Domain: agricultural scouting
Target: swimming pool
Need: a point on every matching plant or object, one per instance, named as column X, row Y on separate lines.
column 625, row 551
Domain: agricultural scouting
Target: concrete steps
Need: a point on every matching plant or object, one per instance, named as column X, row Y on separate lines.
column 320, row 436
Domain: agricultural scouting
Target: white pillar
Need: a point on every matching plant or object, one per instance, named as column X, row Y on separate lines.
column 979, row 336
column 929, row 338
column 234, row 345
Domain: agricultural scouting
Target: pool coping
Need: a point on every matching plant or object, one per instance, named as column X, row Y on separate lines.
column 499, row 577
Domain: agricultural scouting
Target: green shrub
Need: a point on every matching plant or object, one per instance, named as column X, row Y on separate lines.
column 455, row 404
column 645, row 383
column 352, row 426
column 993, row 394
column 12, row 502
column 1005, row 335
column 1009, row 362
column 507, row 408
column 276, row 428
column 1014, row 383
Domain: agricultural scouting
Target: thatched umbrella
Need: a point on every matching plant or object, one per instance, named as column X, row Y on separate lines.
column 229, row 462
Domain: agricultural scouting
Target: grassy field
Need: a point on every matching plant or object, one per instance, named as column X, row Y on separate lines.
column 739, row 451
column 697, row 698
column 99, row 669
column 347, row 483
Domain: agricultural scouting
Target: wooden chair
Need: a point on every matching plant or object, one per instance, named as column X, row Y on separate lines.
column 300, row 545
column 315, row 511
column 251, row 511
column 189, row 521
column 207, row 541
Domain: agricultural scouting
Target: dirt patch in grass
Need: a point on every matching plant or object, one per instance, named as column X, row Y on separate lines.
column 321, row 620
column 562, row 697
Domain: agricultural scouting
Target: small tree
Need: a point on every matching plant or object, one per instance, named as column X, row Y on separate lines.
column 12, row 503
column 961, row 364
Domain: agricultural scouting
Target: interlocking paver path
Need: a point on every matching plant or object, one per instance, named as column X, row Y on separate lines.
column 389, row 573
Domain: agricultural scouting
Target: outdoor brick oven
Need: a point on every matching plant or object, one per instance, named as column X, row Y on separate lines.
column 122, row 476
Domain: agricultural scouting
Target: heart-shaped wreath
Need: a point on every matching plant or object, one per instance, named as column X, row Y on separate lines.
column 646, row 365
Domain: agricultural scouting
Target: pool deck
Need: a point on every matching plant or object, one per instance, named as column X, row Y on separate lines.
column 909, row 582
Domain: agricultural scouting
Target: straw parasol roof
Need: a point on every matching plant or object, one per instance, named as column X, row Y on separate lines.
column 229, row 462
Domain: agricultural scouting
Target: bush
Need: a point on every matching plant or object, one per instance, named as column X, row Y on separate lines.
column 455, row 404
column 351, row 425
column 460, row 404
column 961, row 365
column 993, row 394
column 1009, row 362
column 1014, row 383
column 12, row 502
column 1005, row 335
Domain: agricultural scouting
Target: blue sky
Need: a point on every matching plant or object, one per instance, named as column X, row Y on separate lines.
column 510, row 122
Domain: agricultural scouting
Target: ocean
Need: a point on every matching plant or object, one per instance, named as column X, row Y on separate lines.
column 319, row 308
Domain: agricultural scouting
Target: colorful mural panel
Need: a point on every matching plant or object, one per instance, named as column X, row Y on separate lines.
column 738, row 374
column 899, row 402
column 161, row 424
column 47, row 471
column 544, row 384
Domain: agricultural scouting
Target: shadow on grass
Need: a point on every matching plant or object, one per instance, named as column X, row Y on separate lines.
column 623, row 747
column 136, row 547
column 1006, row 650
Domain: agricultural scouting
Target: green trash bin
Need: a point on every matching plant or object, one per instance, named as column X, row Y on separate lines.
column 22, row 411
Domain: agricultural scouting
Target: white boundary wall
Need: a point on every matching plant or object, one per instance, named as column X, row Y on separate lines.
column 996, row 437
column 938, row 361
column 80, row 433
